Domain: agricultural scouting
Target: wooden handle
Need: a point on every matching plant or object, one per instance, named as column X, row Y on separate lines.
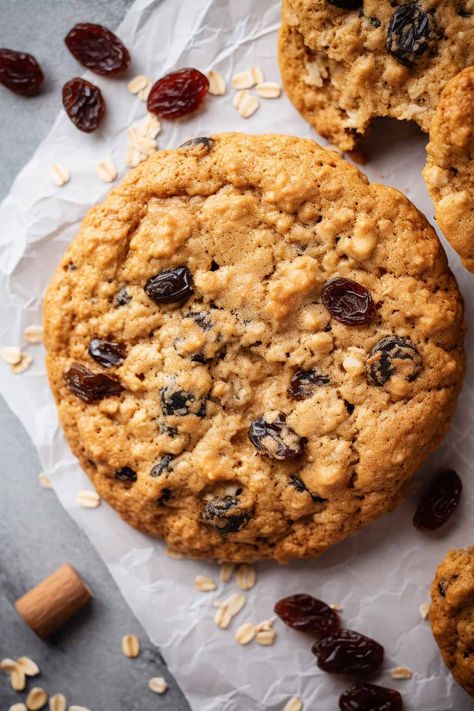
column 47, row 606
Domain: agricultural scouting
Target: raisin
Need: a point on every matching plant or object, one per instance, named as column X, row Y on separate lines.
column 98, row 49
column 214, row 266
column 307, row 614
column 84, row 104
column 107, row 353
column 301, row 487
column 170, row 285
column 348, row 301
column 201, row 318
column 370, row 697
column 164, row 497
column 225, row 515
column 346, row 4
column 348, row 652
column 201, row 145
column 90, row 386
column 180, row 402
column 122, row 297
column 304, row 383
column 442, row 587
column 391, row 356
column 178, row 93
column 276, row 439
column 439, row 501
column 20, row 72
column 374, row 21
column 126, row 474
column 410, row 33
column 162, row 465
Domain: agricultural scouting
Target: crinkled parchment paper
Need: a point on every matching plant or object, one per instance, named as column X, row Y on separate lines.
column 381, row 576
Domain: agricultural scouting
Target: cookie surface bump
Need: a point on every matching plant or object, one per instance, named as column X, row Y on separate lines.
column 344, row 67
column 252, row 348
column 452, row 614
column 449, row 171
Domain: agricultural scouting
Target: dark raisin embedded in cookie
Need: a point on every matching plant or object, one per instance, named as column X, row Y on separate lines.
column 225, row 515
column 107, row 353
column 162, row 465
column 301, row 487
column 410, row 33
column 122, row 297
column 164, row 497
column 394, row 355
column 438, row 502
column 180, row 402
column 442, row 587
column 274, row 438
column 201, row 318
column 370, row 697
column 202, row 144
column 304, row 383
column 346, row 4
column 170, row 286
column 126, row 474
column 307, row 614
column 348, row 301
column 348, row 652
column 90, row 386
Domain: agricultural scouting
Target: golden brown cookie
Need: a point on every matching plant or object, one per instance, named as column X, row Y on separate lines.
column 252, row 348
column 449, row 171
column 344, row 67
column 452, row 614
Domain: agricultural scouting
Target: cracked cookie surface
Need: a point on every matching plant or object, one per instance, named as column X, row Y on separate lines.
column 342, row 68
column 452, row 614
column 449, row 170
column 271, row 347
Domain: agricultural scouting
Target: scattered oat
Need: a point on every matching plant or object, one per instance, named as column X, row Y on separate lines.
column 57, row 703
column 248, row 105
column 173, row 554
column 18, row 707
column 228, row 609
column 216, row 83
column 294, row 704
column 130, row 646
column 264, row 625
column 245, row 633
column 36, row 699
column 77, row 708
column 401, row 673
column 141, row 141
column 257, row 75
column 44, row 480
column 33, row 334
column 203, row 583
column 24, row 364
column 11, row 355
column 60, row 174
column 424, row 610
column 268, row 90
column 8, row 665
column 226, row 572
column 28, row 665
column 246, row 576
column 239, row 97
column 243, row 80
column 158, row 684
column 145, row 93
column 17, row 678
column 266, row 637
column 88, row 499
column 138, row 83
column 106, row 170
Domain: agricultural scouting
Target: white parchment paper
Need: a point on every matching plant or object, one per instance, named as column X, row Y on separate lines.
column 381, row 576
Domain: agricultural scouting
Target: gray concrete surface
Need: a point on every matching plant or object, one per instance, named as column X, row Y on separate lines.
column 84, row 660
